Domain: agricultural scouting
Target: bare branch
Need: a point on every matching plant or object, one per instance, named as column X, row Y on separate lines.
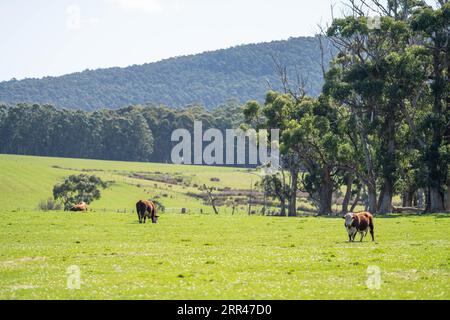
column 296, row 91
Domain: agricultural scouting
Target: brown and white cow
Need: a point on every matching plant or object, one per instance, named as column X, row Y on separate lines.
column 146, row 209
column 82, row 206
column 359, row 222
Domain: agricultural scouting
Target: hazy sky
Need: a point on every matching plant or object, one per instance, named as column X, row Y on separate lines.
column 49, row 37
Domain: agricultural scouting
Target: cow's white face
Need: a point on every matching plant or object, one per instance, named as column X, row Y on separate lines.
column 348, row 219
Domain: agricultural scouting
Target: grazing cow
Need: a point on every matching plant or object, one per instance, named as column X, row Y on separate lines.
column 146, row 209
column 82, row 206
column 359, row 222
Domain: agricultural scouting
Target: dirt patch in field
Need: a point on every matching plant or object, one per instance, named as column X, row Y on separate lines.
column 75, row 169
column 173, row 179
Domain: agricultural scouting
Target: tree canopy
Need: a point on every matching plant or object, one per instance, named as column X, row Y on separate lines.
column 78, row 188
column 135, row 133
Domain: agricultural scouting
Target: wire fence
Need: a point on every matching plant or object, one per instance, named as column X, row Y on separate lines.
column 223, row 210
column 185, row 210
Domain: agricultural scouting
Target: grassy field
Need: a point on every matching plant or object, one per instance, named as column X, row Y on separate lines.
column 199, row 256
column 27, row 180
column 220, row 257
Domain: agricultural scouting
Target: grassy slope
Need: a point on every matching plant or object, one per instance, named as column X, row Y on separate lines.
column 25, row 180
column 222, row 257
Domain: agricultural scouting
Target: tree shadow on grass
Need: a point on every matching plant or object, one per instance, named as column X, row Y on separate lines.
column 441, row 215
column 400, row 215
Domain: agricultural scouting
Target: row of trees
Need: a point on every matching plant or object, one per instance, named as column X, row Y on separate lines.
column 46, row 131
column 382, row 122
column 134, row 133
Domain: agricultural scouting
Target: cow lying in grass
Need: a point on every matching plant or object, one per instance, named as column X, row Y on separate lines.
column 82, row 206
column 146, row 209
column 359, row 222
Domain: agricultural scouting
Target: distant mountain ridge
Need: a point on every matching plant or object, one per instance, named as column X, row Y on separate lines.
column 208, row 79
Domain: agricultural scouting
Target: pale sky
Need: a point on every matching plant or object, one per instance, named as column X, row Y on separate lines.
column 49, row 38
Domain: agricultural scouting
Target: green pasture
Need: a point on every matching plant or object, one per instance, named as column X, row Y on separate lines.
column 200, row 256
column 220, row 257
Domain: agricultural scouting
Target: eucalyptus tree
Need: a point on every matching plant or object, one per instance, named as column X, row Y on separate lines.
column 277, row 112
column 431, row 25
column 371, row 77
column 78, row 188
column 312, row 146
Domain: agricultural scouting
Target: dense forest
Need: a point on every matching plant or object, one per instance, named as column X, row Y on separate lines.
column 382, row 121
column 135, row 133
column 208, row 79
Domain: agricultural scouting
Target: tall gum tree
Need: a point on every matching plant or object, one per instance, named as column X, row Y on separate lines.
column 432, row 25
column 369, row 79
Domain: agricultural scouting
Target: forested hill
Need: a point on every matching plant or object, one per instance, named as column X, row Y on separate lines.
column 208, row 79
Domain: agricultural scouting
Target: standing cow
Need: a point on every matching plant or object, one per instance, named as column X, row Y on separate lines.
column 146, row 209
column 359, row 222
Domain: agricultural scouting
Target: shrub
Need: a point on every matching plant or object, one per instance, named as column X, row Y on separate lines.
column 49, row 204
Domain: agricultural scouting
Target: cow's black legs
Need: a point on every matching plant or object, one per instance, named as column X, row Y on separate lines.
column 371, row 231
column 138, row 211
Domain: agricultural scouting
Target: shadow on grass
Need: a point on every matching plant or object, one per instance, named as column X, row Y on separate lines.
column 402, row 215
column 441, row 215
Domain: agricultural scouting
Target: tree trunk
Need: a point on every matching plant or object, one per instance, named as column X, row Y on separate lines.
column 408, row 199
column 283, row 207
column 348, row 193
column 414, row 200
column 211, row 198
column 372, row 193
column 325, row 194
column 387, row 192
column 447, row 207
column 385, row 200
column 435, row 201
column 371, row 179
column 355, row 202
column 435, row 197
column 420, row 198
column 292, row 208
